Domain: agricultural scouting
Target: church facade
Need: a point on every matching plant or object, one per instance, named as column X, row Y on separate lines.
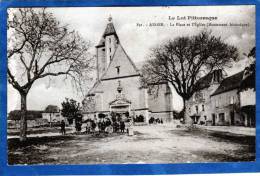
column 118, row 88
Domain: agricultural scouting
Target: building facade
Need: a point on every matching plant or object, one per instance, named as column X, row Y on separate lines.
column 220, row 101
column 118, row 88
column 198, row 107
column 52, row 114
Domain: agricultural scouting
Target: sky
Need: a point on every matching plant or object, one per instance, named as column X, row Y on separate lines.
column 90, row 23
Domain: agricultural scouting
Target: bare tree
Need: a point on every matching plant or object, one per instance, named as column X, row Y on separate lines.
column 183, row 60
column 39, row 47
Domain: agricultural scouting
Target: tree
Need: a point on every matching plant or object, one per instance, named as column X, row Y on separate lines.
column 71, row 109
column 183, row 60
column 248, row 81
column 41, row 47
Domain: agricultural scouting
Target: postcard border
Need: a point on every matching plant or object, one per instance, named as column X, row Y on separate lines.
column 117, row 169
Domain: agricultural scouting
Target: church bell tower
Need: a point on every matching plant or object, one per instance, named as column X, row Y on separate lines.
column 106, row 48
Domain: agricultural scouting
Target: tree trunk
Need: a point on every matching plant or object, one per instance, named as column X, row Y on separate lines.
column 23, row 120
column 184, row 111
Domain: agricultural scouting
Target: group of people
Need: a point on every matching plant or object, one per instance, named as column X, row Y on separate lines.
column 153, row 120
column 102, row 125
column 119, row 126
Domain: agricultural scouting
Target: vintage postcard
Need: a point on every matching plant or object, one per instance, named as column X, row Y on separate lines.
column 131, row 85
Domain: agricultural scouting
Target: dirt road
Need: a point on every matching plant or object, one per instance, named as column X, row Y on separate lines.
column 150, row 144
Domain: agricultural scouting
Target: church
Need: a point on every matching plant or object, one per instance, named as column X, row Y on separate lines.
column 118, row 88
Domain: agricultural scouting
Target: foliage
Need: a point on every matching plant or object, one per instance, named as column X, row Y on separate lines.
column 183, row 60
column 51, row 109
column 248, row 81
column 71, row 110
column 40, row 47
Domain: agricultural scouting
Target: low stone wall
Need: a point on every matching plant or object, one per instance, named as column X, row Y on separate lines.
column 30, row 123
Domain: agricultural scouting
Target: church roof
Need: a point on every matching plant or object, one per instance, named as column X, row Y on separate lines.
column 110, row 30
column 119, row 58
column 101, row 42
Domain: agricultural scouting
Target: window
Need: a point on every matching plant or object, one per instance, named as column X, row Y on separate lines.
column 110, row 50
column 109, row 40
column 118, row 69
column 232, row 100
column 205, row 117
column 203, row 108
column 197, row 109
column 221, row 117
column 216, row 103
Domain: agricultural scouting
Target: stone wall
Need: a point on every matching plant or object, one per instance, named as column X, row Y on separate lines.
column 53, row 117
column 162, row 101
column 30, row 123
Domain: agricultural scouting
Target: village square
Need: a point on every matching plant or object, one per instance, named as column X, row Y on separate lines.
column 128, row 112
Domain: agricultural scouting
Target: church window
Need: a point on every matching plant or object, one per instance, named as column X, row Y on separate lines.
column 118, row 69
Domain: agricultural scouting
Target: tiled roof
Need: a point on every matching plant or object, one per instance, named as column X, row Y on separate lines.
column 204, row 82
column 229, row 83
column 101, row 42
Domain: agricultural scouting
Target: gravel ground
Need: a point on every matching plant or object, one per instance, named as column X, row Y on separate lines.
column 150, row 144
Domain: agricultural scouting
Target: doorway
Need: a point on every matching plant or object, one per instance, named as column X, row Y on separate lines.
column 213, row 119
column 232, row 117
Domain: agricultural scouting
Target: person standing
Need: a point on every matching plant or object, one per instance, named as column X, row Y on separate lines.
column 62, row 125
column 122, row 126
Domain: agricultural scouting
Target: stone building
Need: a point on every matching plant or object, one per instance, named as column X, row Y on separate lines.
column 118, row 88
column 218, row 101
column 52, row 113
column 198, row 107
column 225, row 102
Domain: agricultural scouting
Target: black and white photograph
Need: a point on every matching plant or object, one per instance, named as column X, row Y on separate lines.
column 131, row 85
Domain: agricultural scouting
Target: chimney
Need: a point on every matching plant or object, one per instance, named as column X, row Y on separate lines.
column 217, row 76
